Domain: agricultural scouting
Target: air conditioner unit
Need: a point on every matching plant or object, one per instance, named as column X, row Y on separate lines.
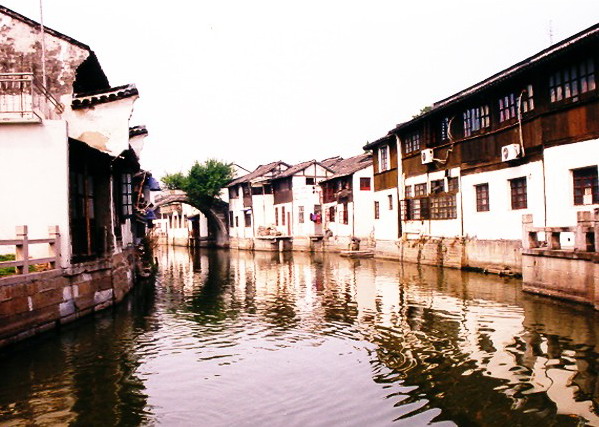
column 427, row 156
column 510, row 152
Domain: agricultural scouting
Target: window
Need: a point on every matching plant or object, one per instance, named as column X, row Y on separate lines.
column 268, row 189
column 383, row 158
column 528, row 103
column 236, row 221
column 282, row 215
column 364, row 184
column 276, row 216
column 443, row 207
column 309, row 181
column 420, row 190
column 300, row 214
column 586, row 189
column 127, row 195
column 453, row 184
column 507, row 107
column 518, row 192
column 412, row 142
column 247, row 217
column 377, row 211
column 257, row 191
column 390, row 199
column 231, row 218
column 408, row 191
column 332, row 214
column 345, row 216
column 414, row 209
column 571, row 81
column 445, row 129
column 476, row 119
column 233, row 192
column 482, row 197
column 437, row 186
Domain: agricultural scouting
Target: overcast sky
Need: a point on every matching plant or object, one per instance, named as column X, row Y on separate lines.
column 255, row 81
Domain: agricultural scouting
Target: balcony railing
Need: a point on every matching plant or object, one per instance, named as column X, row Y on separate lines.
column 24, row 100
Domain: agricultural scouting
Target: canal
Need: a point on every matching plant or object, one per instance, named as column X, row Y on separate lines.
column 239, row 338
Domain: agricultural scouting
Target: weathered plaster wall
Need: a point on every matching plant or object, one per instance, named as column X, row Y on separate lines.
column 20, row 51
column 103, row 126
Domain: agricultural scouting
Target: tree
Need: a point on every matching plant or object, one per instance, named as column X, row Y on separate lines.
column 203, row 182
column 174, row 181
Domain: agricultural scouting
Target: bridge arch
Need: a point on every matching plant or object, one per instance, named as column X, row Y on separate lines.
column 216, row 213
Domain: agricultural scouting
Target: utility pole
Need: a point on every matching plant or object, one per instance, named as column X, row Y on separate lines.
column 43, row 42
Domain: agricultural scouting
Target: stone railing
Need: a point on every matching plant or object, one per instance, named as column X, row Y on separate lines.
column 585, row 233
column 22, row 244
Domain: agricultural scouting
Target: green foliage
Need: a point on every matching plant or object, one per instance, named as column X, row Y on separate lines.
column 423, row 110
column 204, row 181
column 7, row 271
column 174, row 181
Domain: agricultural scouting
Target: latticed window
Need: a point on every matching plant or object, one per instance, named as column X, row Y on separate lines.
column 453, row 184
column 507, row 107
column 384, row 158
column 300, row 214
column 476, row 119
column 390, row 200
column 571, row 81
column 437, row 186
column 528, row 103
column 482, row 197
column 276, row 216
column 412, row 142
column 415, row 209
column 419, row 190
column 231, row 218
column 443, row 207
column 518, row 193
column 377, row 210
column 247, row 217
column 586, row 188
column 409, row 191
column 445, row 129
column 345, row 215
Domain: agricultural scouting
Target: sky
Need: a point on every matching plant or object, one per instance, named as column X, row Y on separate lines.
column 250, row 82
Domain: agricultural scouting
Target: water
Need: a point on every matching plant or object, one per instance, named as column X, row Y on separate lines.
column 235, row 338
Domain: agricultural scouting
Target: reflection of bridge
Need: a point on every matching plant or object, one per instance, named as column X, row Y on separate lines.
column 216, row 212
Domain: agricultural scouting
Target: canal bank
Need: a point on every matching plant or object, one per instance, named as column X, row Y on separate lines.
column 235, row 337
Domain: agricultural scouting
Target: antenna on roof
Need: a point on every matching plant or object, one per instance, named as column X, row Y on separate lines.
column 43, row 42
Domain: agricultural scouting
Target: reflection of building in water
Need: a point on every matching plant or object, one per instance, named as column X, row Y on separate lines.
column 449, row 335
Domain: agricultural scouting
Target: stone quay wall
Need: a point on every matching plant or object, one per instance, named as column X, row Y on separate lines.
column 38, row 302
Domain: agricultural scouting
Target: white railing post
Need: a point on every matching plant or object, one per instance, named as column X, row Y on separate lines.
column 22, row 250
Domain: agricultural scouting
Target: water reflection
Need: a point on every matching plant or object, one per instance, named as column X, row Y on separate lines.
column 305, row 339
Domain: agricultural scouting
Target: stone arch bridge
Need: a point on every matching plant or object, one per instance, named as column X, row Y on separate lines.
column 217, row 214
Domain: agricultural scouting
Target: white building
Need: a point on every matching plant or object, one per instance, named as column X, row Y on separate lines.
column 348, row 209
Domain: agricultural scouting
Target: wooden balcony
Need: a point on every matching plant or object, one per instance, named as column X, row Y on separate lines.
column 24, row 100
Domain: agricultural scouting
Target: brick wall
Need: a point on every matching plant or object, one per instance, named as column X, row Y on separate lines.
column 38, row 302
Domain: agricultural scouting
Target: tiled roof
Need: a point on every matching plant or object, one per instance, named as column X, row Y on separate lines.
column 89, row 99
column 300, row 167
column 351, row 165
column 137, row 131
column 331, row 161
column 258, row 172
column 384, row 140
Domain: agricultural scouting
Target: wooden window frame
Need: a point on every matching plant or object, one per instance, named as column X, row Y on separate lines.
column 365, row 184
column 412, row 142
column 482, row 197
column 583, row 178
column 300, row 214
column 331, row 213
column 390, row 201
column 570, row 82
column 518, row 193
column 383, row 158
column 420, row 190
column 377, row 210
column 247, row 219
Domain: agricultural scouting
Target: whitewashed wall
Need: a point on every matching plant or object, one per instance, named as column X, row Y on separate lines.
column 34, row 176
column 386, row 227
column 559, row 162
column 501, row 221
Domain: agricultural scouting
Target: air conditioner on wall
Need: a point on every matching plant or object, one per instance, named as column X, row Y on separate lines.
column 426, row 156
column 510, row 152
